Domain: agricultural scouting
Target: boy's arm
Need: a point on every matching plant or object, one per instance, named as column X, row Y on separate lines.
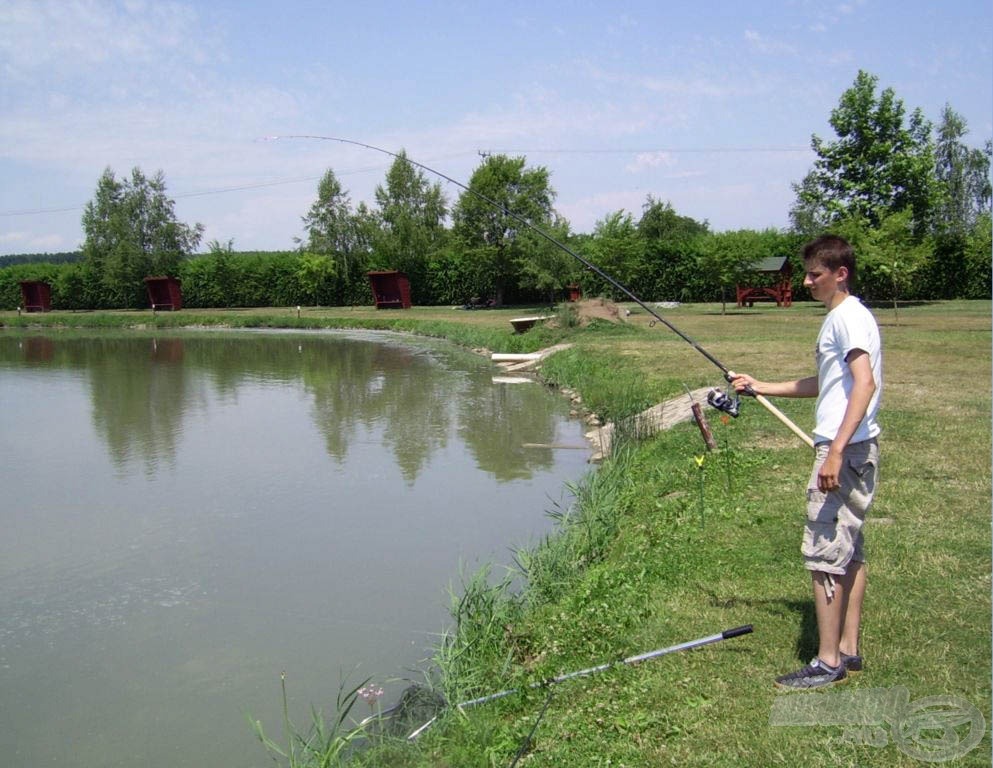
column 800, row 388
column 863, row 387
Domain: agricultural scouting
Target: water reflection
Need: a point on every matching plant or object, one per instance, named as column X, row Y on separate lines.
column 502, row 452
column 143, row 388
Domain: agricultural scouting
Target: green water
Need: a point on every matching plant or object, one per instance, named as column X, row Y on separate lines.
column 184, row 517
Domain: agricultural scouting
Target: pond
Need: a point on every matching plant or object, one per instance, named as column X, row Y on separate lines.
column 187, row 515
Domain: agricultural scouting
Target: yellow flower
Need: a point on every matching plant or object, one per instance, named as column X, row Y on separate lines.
column 700, row 459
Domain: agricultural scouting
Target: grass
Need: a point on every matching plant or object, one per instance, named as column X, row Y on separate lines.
column 657, row 551
column 328, row 742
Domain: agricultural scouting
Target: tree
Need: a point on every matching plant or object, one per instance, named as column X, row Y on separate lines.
column 978, row 252
column 131, row 232
column 103, row 227
column 618, row 249
column 329, row 223
column 890, row 255
column 336, row 233
column 217, row 275
column 726, row 258
column 548, row 269
column 411, row 214
column 492, row 231
column 316, row 273
column 963, row 174
column 877, row 166
column 672, row 243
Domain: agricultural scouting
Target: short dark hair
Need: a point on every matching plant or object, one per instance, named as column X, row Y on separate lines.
column 833, row 252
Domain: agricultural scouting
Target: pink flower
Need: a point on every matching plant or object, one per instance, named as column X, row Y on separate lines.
column 370, row 694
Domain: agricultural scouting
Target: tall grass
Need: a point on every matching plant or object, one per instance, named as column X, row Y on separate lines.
column 583, row 533
column 609, row 386
column 327, row 743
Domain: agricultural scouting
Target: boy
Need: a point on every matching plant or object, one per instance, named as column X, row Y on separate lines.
column 847, row 387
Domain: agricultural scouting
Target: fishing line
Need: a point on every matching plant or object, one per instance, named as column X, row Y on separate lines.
column 537, row 230
column 561, row 246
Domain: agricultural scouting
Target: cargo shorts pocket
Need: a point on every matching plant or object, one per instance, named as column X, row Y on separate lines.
column 827, row 545
column 858, row 483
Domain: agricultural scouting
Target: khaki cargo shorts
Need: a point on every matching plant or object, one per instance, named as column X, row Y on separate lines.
column 832, row 536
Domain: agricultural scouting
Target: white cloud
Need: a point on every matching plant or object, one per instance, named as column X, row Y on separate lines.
column 846, row 8
column 765, row 45
column 66, row 38
column 584, row 212
column 645, row 160
column 680, row 84
column 621, row 25
column 545, row 120
column 26, row 242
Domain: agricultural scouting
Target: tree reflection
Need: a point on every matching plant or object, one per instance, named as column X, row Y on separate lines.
column 140, row 391
column 397, row 389
column 496, row 420
column 139, row 388
column 142, row 387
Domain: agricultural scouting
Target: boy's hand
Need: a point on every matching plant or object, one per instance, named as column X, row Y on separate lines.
column 742, row 381
column 827, row 475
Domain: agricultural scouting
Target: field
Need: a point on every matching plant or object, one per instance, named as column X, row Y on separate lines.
column 667, row 543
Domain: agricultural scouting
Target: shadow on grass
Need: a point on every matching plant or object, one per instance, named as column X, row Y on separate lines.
column 806, row 645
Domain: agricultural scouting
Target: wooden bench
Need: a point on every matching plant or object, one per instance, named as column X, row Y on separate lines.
column 525, row 324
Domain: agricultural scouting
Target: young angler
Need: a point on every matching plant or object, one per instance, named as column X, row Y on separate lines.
column 847, row 387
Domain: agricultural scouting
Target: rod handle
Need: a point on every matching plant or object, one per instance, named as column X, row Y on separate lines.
column 727, row 634
column 729, row 377
column 785, row 420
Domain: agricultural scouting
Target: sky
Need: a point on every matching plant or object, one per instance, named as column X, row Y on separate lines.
column 707, row 105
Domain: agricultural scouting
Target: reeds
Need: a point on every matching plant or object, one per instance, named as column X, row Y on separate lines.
column 326, row 744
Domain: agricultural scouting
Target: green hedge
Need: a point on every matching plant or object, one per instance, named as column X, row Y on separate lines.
column 959, row 267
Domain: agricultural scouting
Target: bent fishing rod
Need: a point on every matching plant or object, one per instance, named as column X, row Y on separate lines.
column 725, row 371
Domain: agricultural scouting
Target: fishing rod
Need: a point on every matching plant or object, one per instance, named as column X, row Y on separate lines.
column 725, row 635
column 727, row 373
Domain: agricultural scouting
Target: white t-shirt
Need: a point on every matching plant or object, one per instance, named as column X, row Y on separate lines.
column 847, row 327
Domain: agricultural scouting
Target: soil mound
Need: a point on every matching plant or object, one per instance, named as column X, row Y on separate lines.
column 597, row 309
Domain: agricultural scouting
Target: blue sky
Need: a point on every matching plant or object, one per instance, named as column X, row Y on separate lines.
column 709, row 105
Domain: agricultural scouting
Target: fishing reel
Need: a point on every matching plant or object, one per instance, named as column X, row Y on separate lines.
column 724, row 402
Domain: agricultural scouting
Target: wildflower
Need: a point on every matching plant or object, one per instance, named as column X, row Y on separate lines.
column 370, row 694
column 725, row 419
column 699, row 465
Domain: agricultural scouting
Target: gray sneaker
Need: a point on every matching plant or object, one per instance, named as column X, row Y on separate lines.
column 816, row 674
column 851, row 663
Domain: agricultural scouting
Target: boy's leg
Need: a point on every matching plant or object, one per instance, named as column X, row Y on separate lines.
column 854, row 584
column 827, row 668
column 838, row 605
column 829, row 605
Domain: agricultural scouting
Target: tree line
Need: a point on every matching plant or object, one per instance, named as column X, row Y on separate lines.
column 913, row 199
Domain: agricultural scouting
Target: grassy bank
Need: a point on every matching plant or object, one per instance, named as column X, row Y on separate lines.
column 660, row 549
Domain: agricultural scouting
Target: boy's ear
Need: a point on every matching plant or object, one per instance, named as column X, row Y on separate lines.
column 843, row 274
